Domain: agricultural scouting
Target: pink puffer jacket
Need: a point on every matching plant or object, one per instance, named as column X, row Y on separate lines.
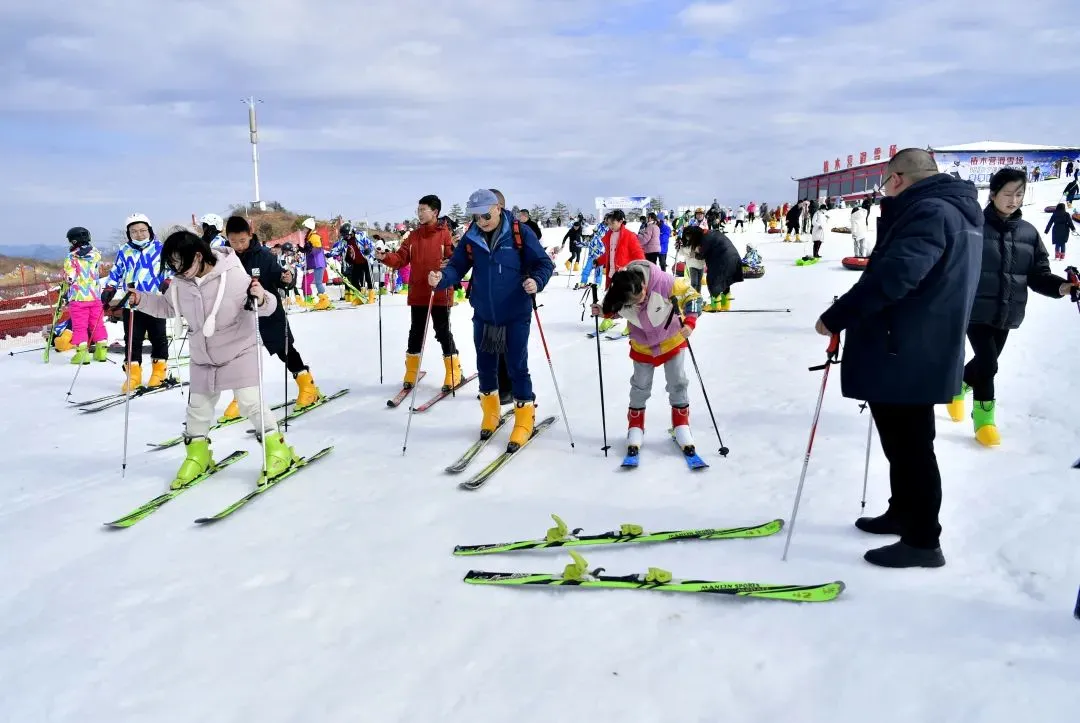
column 224, row 347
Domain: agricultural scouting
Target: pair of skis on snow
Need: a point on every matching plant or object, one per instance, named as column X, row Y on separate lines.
column 263, row 486
column 402, row 395
column 145, row 510
column 578, row 574
column 693, row 460
column 114, row 400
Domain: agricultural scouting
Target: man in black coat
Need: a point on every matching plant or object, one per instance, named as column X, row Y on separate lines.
column 274, row 329
column 905, row 320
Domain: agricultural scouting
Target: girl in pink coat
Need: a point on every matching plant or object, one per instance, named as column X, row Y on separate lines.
column 209, row 290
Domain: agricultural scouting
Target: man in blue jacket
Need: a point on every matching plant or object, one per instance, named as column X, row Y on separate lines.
column 508, row 267
column 665, row 239
column 905, row 320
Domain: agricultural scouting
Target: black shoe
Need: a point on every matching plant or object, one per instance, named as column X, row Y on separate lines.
column 880, row 525
column 901, row 554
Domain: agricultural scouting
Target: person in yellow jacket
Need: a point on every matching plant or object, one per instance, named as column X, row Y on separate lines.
column 316, row 266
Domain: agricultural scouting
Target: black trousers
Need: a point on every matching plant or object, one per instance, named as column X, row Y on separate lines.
column 360, row 276
column 987, row 343
column 293, row 361
column 907, row 436
column 575, row 254
column 663, row 261
column 146, row 325
column 653, row 257
column 440, row 319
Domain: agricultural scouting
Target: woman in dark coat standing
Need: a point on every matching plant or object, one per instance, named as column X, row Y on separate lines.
column 1062, row 223
column 722, row 262
column 1014, row 260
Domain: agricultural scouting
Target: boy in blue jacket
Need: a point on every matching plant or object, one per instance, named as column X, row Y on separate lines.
column 508, row 266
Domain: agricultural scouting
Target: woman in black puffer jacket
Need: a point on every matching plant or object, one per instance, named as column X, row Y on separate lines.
column 1014, row 260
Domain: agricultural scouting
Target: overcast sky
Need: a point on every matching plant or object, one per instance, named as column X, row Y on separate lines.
column 111, row 107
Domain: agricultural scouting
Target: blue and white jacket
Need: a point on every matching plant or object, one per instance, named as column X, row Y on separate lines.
column 139, row 264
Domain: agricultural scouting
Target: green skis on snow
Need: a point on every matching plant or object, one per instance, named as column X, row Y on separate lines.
column 577, row 574
column 562, row 536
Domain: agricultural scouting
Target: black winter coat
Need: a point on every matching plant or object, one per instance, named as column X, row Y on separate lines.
column 1062, row 224
column 907, row 315
column 722, row 261
column 1014, row 259
column 274, row 328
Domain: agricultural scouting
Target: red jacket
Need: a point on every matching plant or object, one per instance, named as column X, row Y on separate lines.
column 627, row 249
column 425, row 248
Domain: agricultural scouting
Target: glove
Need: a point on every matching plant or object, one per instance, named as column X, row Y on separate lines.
column 107, row 295
column 165, row 285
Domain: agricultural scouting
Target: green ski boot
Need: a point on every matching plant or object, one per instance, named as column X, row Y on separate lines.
column 198, row 460
column 606, row 324
column 279, row 457
column 986, row 431
column 82, row 356
column 101, row 351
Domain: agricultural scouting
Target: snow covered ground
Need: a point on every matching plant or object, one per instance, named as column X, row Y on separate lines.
column 335, row 597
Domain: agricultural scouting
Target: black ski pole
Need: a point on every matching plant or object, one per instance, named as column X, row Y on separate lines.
column 382, row 286
column 600, row 368
column 697, row 370
column 25, row 351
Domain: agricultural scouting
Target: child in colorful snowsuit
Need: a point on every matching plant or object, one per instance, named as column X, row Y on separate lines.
column 642, row 293
column 595, row 249
column 138, row 263
column 210, row 291
column 84, row 298
column 315, row 262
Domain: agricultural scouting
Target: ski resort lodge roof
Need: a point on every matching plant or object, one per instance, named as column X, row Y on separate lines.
column 986, row 146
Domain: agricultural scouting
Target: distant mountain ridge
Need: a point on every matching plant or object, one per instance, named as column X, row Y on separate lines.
column 51, row 252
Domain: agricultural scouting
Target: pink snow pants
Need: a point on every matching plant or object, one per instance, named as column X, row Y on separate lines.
column 87, row 321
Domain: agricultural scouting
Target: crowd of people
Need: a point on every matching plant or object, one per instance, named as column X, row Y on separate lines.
column 943, row 271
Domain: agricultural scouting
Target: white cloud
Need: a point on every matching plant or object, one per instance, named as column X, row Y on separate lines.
column 369, row 105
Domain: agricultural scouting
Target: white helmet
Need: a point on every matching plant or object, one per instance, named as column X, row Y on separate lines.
column 309, row 224
column 136, row 218
column 212, row 219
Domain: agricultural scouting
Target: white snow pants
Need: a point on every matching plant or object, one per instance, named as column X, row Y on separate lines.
column 860, row 246
column 200, row 412
column 675, row 374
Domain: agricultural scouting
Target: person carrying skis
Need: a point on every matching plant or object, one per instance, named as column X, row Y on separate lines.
column 210, row 291
column 594, row 250
column 84, row 298
column 721, row 258
column 357, row 250
column 277, row 337
column 427, row 249
column 643, row 294
column 138, row 264
column 508, row 266
column 315, row 263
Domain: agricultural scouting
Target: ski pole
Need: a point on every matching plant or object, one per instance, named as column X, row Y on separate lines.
column 1073, row 275
column 26, row 351
column 723, row 451
column 600, row 368
column 866, row 467
column 539, row 326
column 831, row 357
column 67, row 397
column 251, row 306
column 412, row 393
column 285, row 387
column 382, row 287
column 127, row 383
column 1076, row 610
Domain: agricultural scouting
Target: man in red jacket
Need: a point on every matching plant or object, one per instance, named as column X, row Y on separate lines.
column 426, row 248
column 621, row 246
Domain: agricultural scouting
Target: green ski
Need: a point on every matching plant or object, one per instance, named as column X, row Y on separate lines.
column 153, row 505
column 268, row 485
column 562, row 536
column 577, row 574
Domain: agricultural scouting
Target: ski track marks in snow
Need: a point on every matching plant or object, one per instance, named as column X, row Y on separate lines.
column 334, row 597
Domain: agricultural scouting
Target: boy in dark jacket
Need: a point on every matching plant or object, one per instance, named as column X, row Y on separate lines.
column 508, row 267
column 274, row 330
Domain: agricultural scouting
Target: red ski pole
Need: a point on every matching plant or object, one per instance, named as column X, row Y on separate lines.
column 832, row 356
